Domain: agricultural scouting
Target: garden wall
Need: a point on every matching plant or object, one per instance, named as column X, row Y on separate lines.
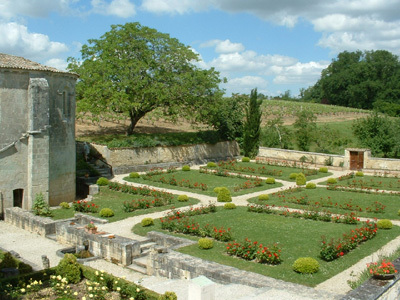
column 128, row 160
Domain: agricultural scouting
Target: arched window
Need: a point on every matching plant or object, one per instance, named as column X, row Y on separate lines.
column 66, row 104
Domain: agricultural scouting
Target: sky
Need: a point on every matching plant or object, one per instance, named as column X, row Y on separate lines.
column 271, row 45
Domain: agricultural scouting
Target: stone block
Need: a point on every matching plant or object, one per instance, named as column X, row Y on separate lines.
column 94, row 189
column 201, row 288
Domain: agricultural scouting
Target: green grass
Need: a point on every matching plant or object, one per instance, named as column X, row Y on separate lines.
column 286, row 171
column 211, row 181
column 153, row 140
column 114, row 200
column 354, row 199
column 297, row 237
column 373, row 182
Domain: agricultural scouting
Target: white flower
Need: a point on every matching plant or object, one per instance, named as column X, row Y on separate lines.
column 138, row 290
column 103, row 288
column 28, row 286
column 59, row 277
column 118, row 289
column 22, row 290
column 116, row 281
column 90, row 288
column 91, row 296
column 76, row 294
column 97, row 273
column 83, row 298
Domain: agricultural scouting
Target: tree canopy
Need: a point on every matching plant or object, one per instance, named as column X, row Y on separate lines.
column 132, row 70
column 366, row 80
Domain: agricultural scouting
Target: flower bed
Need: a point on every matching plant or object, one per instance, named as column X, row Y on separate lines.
column 249, row 250
column 85, row 206
column 336, row 248
column 144, row 191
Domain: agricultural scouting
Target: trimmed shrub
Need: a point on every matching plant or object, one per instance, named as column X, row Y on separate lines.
column 301, row 179
column 245, row 159
column 211, row 164
column 183, row 198
column 224, row 195
column 306, row 265
column 323, row 170
column 147, row 222
column 64, row 205
column 398, row 212
column 293, row 175
column 384, row 224
column 102, row 181
column 229, row 205
column 186, row 168
column 270, row 180
column 106, row 212
column 134, row 175
column 311, row 185
column 8, row 261
column 263, row 197
column 69, row 268
column 359, row 174
column 168, row 296
column 217, row 189
column 331, row 181
column 205, row 243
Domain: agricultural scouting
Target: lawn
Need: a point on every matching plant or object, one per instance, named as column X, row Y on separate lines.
column 264, row 170
column 372, row 182
column 296, row 237
column 114, row 200
column 341, row 202
column 195, row 178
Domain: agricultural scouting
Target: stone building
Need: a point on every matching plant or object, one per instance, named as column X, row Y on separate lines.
column 37, row 133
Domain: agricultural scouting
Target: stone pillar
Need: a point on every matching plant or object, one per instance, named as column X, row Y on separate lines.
column 201, row 288
column 38, row 143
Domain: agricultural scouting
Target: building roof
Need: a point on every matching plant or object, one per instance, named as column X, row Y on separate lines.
column 17, row 62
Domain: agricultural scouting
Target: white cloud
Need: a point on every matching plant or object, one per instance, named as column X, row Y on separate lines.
column 119, row 8
column 15, row 39
column 245, row 84
column 57, row 63
column 32, row 8
column 224, row 46
column 174, row 6
column 300, row 73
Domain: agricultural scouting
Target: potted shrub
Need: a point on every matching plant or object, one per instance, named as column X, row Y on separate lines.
column 384, row 270
column 91, row 228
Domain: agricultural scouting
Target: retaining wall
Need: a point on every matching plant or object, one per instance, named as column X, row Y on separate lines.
column 128, row 160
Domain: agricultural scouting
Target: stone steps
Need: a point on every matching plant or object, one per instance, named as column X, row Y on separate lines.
column 103, row 171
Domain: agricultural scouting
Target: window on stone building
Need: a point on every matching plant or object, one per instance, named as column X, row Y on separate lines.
column 66, row 102
column 18, row 197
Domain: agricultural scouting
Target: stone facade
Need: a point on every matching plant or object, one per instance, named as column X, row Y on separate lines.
column 37, row 136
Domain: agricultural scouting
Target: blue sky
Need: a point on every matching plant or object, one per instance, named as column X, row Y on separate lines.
column 272, row 45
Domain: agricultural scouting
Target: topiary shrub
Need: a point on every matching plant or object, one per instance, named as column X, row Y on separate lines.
column 331, row 181
column 8, row 261
column 186, row 168
column 384, row 224
column 311, row 185
column 134, row 175
column 224, row 195
column 301, row 179
column 270, row 180
column 229, row 205
column 183, row 198
column 293, row 175
column 69, row 268
column 359, row 174
column 106, row 212
column 168, row 296
column 211, row 164
column 217, row 189
column 323, row 170
column 205, row 243
column 64, row 205
column 245, row 159
column 102, row 181
column 263, row 197
column 147, row 222
column 306, row 265
column 40, row 207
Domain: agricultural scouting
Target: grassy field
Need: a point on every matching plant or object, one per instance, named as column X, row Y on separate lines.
column 372, row 182
column 383, row 206
column 296, row 237
column 212, row 181
column 114, row 200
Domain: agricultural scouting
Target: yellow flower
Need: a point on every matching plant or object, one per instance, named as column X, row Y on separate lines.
column 138, row 290
column 83, row 298
column 91, row 296
column 22, row 290
column 76, row 294
column 28, row 286
column 118, row 289
column 90, row 288
column 97, row 273
column 59, row 277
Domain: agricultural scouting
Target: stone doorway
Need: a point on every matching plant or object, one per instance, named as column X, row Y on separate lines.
column 356, row 160
column 18, row 196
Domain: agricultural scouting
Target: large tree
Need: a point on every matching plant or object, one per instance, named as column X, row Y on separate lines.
column 358, row 79
column 132, row 70
column 252, row 126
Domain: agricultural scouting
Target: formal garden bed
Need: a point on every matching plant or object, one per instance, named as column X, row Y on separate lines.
column 371, row 205
column 292, row 237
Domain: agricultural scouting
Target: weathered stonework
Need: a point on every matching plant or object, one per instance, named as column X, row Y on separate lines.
column 37, row 136
column 140, row 159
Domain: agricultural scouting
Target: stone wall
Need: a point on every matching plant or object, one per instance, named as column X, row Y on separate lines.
column 139, row 159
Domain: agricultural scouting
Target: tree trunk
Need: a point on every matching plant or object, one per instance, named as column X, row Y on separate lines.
column 135, row 117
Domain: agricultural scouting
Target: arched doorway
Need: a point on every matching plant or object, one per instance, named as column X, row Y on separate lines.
column 18, row 197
